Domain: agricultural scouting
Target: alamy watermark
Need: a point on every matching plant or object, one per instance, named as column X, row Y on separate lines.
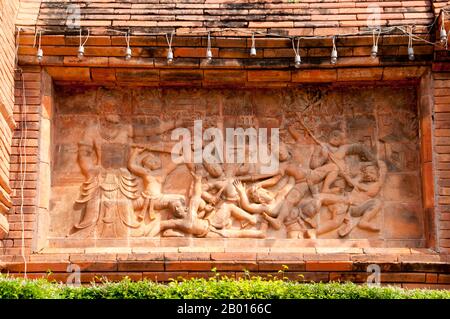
column 239, row 145
column 74, row 279
column 374, row 277
column 73, row 20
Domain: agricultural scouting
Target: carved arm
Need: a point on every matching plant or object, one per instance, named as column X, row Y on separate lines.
column 132, row 163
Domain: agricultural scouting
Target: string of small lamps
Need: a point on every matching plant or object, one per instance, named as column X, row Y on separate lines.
column 375, row 32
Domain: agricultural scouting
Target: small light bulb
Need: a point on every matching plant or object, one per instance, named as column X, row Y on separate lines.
column 253, row 51
column 39, row 55
column 169, row 56
column 334, row 56
column 374, row 51
column 128, row 54
column 80, row 52
column 209, row 55
column 411, row 53
column 443, row 36
column 298, row 60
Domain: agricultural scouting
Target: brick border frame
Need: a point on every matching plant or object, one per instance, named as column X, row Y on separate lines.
column 413, row 267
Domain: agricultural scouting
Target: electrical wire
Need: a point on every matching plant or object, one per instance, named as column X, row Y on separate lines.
column 85, row 40
column 169, row 42
column 382, row 31
column 22, row 155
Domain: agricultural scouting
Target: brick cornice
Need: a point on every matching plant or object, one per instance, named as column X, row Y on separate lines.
column 306, row 17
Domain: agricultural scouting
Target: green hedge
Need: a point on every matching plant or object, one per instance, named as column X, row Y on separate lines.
column 213, row 288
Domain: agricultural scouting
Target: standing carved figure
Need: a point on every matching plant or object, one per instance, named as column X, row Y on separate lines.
column 108, row 190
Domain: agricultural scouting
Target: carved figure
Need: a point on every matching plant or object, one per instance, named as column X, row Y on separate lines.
column 362, row 199
column 147, row 165
column 189, row 221
column 108, row 190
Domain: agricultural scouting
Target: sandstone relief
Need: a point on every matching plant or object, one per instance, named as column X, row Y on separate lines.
column 345, row 169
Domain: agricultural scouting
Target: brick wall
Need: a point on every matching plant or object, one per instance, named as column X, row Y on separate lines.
column 301, row 17
column 442, row 146
column 8, row 11
column 24, row 156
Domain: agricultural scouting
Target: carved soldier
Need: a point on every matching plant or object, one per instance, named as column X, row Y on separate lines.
column 188, row 219
column 328, row 161
column 361, row 202
column 108, row 190
column 225, row 196
column 363, row 198
column 337, row 205
column 147, row 165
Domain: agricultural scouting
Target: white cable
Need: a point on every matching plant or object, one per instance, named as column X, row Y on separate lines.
column 22, row 157
column 127, row 39
column 169, row 42
column 386, row 30
column 87, row 37
column 296, row 50
column 375, row 40
column 209, row 40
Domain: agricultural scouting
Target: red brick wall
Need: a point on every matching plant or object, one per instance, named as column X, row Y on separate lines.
column 27, row 150
column 8, row 11
column 442, row 146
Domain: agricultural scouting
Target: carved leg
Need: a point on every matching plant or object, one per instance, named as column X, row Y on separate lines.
column 366, row 221
column 91, row 212
column 331, row 225
column 274, row 222
column 327, row 172
column 241, row 214
column 292, row 199
column 161, row 226
column 329, row 179
column 242, row 233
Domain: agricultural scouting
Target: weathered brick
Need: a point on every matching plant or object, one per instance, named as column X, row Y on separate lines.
column 69, row 74
column 269, row 75
column 328, row 266
column 314, row 76
column 181, row 75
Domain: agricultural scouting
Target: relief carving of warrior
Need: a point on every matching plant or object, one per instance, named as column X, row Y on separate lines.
column 109, row 189
column 335, row 186
column 147, row 165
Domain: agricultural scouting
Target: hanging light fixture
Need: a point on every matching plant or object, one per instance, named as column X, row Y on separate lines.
column 334, row 53
column 253, row 48
column 40, row 52
column 128, row 52
column 443, row 33
column 297, row 59
column 411, row 56
column 374, row 51
column 208, row 50
column 169, row 52
column 81, row 47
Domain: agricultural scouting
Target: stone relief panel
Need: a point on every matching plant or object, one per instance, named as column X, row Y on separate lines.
column 348, row 164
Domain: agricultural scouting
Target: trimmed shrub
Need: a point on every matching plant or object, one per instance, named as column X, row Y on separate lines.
column 213, row 288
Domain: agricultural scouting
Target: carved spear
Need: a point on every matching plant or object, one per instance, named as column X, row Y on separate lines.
column 330, row 155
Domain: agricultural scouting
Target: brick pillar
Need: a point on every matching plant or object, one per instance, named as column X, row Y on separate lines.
column 442, row 145
column 8, row 11
column 25, row 155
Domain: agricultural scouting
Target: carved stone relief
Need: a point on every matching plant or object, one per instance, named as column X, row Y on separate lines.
column 348, row 165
